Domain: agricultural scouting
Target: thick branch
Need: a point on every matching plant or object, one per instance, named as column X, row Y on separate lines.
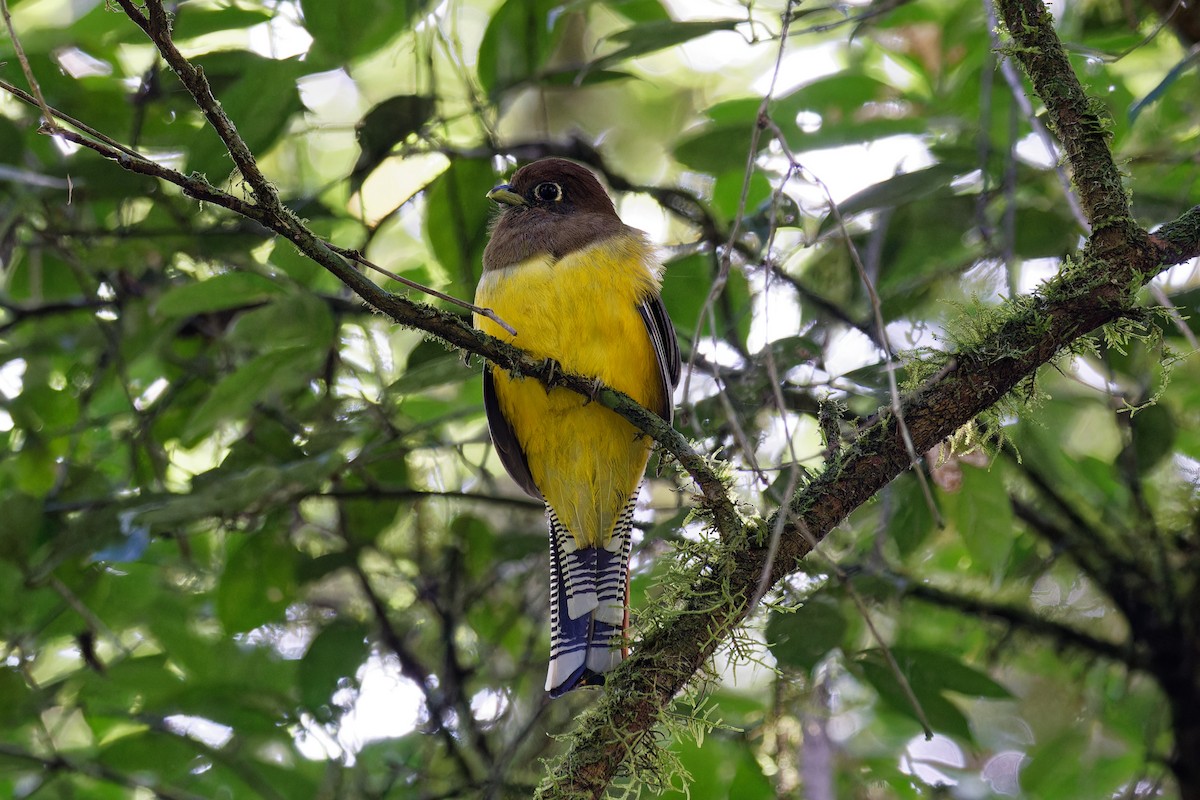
column 1074, row 117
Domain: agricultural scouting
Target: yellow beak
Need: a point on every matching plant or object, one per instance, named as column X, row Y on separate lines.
column 504, row 194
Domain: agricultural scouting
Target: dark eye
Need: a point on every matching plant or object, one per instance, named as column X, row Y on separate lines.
column 548, row 192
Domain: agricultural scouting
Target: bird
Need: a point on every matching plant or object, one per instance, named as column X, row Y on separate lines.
column 582, row 289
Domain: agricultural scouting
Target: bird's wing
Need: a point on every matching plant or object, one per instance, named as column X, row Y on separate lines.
column 666, row 350
column 511, row 454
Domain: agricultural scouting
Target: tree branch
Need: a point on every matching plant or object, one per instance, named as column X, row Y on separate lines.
column 1027, row 621
column 51, row 764
column 157, row 25
column 1078, row 120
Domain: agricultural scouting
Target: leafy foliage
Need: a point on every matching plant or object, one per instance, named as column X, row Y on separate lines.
column 255, row 542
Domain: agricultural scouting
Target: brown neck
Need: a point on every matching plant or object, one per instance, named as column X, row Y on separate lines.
column 525, row 232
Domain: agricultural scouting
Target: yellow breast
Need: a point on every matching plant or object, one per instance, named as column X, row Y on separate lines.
column 582, row 312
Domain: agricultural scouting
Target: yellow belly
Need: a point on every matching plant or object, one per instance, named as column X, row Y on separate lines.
column 582, row 312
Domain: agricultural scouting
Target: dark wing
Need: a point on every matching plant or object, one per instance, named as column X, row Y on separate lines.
column 666, row 350
column 511, row 454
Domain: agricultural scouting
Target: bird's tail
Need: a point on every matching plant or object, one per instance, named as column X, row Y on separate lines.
column 589, row 599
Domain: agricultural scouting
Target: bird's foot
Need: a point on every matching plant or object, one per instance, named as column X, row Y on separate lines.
column 553, row 368
column 594, row 389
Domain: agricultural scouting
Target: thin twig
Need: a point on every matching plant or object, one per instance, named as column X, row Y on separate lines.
column 356, row 256
column 898, row 673
column 1160, row 297
column 55, row 113
column 844, row 578
column 725, row 262
column 895, row 403
column 93, row 621
column 27, row 69
column 439, row 711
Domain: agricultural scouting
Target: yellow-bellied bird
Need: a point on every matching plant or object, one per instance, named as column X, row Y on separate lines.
column 582, row 288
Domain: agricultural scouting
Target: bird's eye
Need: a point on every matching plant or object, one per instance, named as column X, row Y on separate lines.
column 548, row 192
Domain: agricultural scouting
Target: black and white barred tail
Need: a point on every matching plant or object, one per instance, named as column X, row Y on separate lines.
column 589, row 604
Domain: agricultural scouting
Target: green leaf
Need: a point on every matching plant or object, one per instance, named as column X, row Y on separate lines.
column 303, row 270
column 517, row 42
column 258, row 94
column 803, row 637
column 573, row 77
column 749, row 782
column 43, row 410
column 387, row 124
column 910, row 522
column 727, row 192
column 943, row 715
column 840, row 95
column 839, row 131
column 640, row 10
column 22, row 524
column 940, row 671
column 227, row 290
column 258, row 582
column 1165, row 84
column 721, row 149
column 1154, row 431
column 19, row 701
column 898, row 190
column 655, row 35
column 1054, row 768
column 293, row 320
column 36, row 469
column 711, row 767
column 1045, row 233
column 477, row 542
column 983, row 516
column 430, row 365
column 163, row 755
column 12, row 145
column 916, row 269
column 348, row 29
column 334, row 655
column 686, row 283
column 269, row 375
column 192, row 20
column 456, row 220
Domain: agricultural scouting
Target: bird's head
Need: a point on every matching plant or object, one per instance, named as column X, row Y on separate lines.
column 554, row 185
column 551, row 207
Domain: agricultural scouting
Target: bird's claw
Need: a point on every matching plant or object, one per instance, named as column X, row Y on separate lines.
column 553, row 368
column 594, row 389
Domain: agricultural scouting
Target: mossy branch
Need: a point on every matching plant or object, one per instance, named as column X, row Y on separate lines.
column 1075, row 118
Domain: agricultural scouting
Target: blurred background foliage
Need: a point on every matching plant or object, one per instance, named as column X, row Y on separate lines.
column 254, row 542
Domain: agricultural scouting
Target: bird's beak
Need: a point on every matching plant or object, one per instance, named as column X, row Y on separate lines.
column 505, row 195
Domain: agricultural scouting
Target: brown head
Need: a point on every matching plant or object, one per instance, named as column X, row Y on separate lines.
column 551, row 207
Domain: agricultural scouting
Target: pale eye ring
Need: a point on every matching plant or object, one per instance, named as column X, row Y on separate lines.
column 548, row 192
